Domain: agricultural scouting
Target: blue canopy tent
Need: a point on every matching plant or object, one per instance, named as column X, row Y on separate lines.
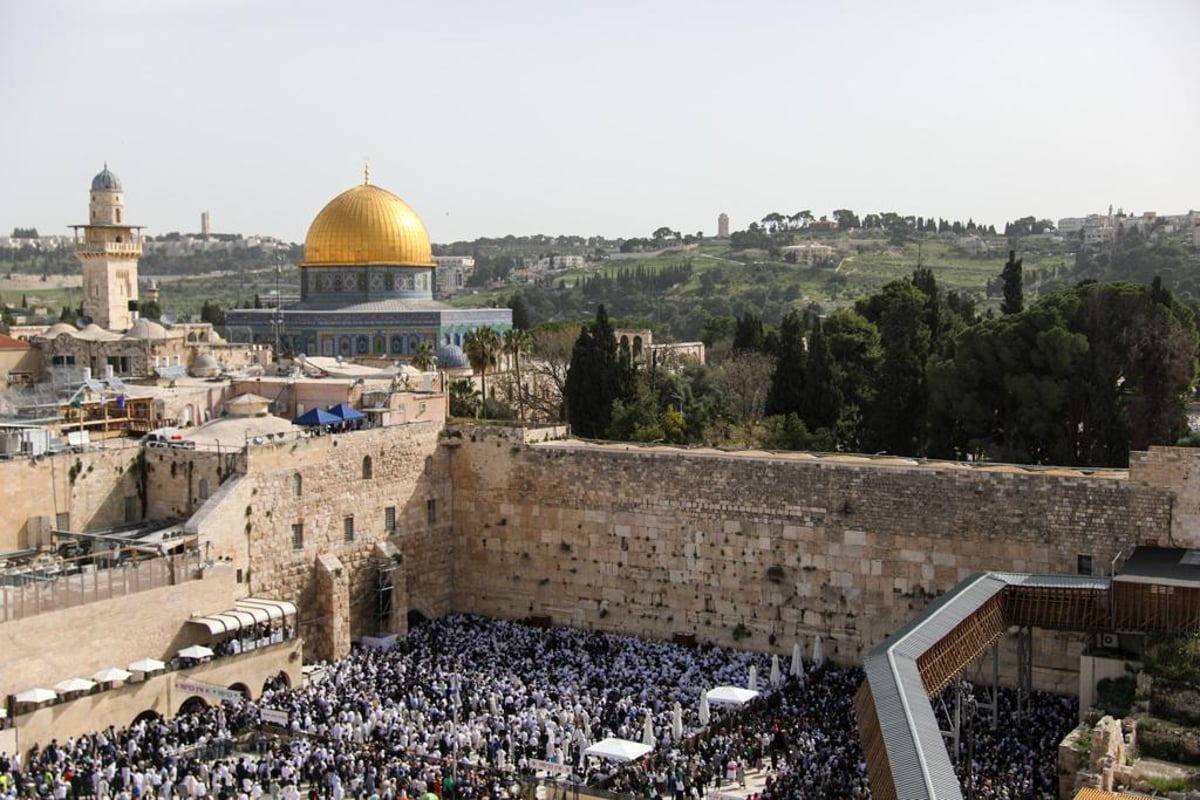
column 346, row 412
column 316, row 416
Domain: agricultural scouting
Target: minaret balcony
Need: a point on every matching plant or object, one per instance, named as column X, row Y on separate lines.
column 108, row 248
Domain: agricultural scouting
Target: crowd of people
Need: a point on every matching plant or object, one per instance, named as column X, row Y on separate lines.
column 472, row 708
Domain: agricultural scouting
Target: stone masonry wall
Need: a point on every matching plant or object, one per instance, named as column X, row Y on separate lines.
column 763, row 551
column 91, row 488
column 250, row 522
column 1179, row 468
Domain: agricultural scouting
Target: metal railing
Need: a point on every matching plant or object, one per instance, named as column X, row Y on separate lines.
column 27, row 594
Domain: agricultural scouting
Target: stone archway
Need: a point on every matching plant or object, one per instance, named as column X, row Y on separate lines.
column 280, row 681
column 243, row 688
column 193, row 705
column 149, row 715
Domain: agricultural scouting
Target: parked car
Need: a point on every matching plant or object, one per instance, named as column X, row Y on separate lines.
column 168, row 437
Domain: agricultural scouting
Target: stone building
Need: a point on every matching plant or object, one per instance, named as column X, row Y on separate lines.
column 366, row 287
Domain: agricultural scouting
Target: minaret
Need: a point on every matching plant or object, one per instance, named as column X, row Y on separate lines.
column 109, row 248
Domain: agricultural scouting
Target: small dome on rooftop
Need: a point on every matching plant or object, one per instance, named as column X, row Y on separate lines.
column 451, row 356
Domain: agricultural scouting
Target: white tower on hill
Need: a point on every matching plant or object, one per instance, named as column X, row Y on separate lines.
column 109, row 248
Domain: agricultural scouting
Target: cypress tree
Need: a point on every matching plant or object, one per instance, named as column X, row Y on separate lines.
column 1014, row 295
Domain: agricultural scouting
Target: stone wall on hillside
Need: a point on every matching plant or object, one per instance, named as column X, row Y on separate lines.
column 762, row 551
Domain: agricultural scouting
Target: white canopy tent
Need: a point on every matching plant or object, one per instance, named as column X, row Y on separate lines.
column 147, row 665
column 621, row 750
column 74, row 685
column 112, row 674
column 35, row 696
column 730, row 696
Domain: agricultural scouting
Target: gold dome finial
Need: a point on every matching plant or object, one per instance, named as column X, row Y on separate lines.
column 366, row 171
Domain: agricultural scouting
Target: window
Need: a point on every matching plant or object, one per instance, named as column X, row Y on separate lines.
column 1083, row 565
column 431, row 511
column 348, row 529
column 204, row 488
column 297, row 485
column 298, row 536
column 368, row 471
column 389, row 519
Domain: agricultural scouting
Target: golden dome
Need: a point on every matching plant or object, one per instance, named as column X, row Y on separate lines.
column 367, row 225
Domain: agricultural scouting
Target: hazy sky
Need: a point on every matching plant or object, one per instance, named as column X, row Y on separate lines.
column 608, row 118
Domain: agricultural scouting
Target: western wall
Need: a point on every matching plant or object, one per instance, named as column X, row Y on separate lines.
column 763, row 550
column 750, row 549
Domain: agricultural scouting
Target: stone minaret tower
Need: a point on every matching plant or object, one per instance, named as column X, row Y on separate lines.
column 109, row 248
column 723, row 226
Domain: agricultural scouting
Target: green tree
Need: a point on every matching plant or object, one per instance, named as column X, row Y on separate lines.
column 597, row 376
column 896, row 421
column 521, row 316
column 213, row 314
column 785, row 395
column 151, row 309
column 748, row 334
column 855, row 351
column 1014, row 293
column 424, row 358
column 482, row 348
column 517, row 343
column 820, row 396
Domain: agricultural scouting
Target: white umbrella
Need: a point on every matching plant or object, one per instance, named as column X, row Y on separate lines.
column 677, row 723
column 74, row 685
column 196, row 651
column 703, row 707
column 648, row 731
column 776, row 675
column 35, row 696
column 112, row 674
column 752, row 684
column 797, row 661
column 818, row 653
column 147, row 665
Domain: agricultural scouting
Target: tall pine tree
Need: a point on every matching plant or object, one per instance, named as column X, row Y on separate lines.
column 598, row 375
column 785, row 395
column 1014, row 293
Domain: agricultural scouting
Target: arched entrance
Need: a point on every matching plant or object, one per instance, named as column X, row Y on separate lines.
column 243, row 688
column 280, row 682
column 147, row 716
column 193, row 705
column 415, row 618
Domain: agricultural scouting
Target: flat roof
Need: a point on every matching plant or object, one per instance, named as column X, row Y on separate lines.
column 1165, row 566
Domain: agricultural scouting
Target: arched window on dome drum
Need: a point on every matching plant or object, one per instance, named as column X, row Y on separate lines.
column 413, row 343
column 363, row 345
column 397, row 344
column 446, row 339
column 347, row 346
column 458, row 339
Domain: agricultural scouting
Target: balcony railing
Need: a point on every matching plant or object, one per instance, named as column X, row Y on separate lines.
column 108, row 248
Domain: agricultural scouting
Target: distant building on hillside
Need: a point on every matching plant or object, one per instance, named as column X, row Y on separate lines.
column 205, row 224
column 723, row 226
column 452, row 273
